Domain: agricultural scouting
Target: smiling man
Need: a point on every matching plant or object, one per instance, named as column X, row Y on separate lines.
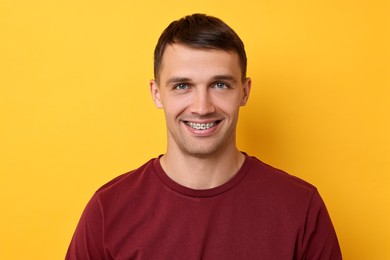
column 203, row 198
column 200, row 91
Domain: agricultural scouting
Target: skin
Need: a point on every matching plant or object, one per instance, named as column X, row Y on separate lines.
column 200, row 91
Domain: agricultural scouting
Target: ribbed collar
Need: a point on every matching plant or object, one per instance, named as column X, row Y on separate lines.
column 206, row 193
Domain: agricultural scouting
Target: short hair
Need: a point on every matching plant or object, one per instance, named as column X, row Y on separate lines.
column 203, row 32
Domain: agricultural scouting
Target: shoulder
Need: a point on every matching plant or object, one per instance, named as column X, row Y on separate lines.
column 126, row 183
column 276, row 174
column 302, row 208
column 277, row 182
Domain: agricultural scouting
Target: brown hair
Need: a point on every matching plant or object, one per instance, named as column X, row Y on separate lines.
column 203, row 32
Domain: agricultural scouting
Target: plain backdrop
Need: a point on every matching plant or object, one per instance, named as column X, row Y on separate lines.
column 75, row 108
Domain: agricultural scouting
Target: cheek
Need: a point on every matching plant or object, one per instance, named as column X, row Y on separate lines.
column 228, row 103
column 174, row 107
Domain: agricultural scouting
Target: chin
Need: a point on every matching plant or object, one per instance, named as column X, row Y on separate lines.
column 200, row 152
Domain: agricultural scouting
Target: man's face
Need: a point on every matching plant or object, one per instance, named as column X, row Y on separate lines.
column 200, row 91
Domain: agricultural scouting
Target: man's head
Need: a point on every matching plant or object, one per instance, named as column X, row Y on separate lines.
column 200, row 31
column 201, row 84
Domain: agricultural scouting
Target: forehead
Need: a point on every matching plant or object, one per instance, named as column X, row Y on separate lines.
column 184, row 61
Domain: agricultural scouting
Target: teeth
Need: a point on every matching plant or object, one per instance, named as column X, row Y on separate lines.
column 201, row 126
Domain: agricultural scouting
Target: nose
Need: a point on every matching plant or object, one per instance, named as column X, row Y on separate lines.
column 202, row 103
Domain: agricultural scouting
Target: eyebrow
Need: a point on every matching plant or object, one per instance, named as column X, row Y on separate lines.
column 226, row 77
column 174, row 80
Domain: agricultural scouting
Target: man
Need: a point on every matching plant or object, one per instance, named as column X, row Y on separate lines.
column 203, row 199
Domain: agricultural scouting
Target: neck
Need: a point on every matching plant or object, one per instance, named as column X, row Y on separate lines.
column 202, row 172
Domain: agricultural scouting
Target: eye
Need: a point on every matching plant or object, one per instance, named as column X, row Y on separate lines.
column 181, row 86
column 220, row 85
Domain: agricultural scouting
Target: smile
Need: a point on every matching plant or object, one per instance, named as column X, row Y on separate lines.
column 199, row 126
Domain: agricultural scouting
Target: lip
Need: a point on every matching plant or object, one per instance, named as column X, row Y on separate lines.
column 202, row 132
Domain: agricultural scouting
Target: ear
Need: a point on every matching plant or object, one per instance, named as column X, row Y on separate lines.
column 246, row 87
column 155, row 92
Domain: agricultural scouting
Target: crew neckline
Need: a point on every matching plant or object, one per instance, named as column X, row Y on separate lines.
column 202, row 193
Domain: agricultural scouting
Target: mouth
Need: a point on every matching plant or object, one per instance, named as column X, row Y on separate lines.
column 202, row 126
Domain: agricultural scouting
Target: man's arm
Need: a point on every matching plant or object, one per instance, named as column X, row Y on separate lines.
column 87, row 241
column 319, row 240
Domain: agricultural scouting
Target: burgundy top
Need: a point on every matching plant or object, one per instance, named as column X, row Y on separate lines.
column 261, row 213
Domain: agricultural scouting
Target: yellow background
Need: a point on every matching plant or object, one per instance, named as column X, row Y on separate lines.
column 75, row 108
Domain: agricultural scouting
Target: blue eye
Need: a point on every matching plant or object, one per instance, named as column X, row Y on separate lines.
column 181, row 86
column 220, row 85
